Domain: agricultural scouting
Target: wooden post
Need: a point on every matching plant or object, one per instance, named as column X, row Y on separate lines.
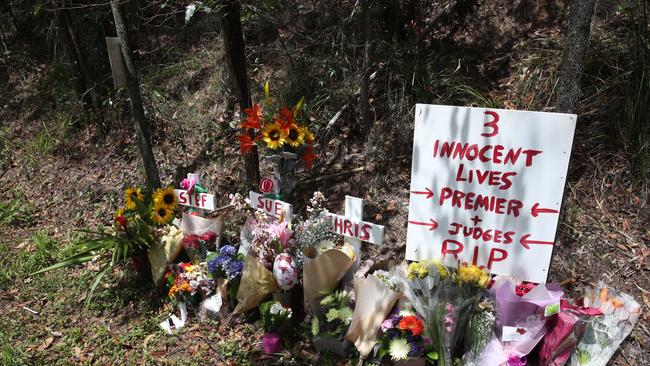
column 137, row 110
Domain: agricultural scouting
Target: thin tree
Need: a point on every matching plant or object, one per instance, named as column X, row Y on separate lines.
column 137, row 110
column 233, row 39
column 72, row 52
column 365, row 77
column 575, row 47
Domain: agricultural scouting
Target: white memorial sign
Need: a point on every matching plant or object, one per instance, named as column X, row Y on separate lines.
column 198, row 200
column 487, row 186
column 275, row 208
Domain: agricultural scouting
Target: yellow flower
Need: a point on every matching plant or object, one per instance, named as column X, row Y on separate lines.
column 273, row 135
column 441, row 269
column 474, row 275
column 161, row 215
column 165, row 197
column 131, row 195
column 119, row 212
column 417, row 270
column 309, row 136
column 295, row 136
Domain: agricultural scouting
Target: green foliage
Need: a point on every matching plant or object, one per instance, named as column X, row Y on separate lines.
column 14, row 212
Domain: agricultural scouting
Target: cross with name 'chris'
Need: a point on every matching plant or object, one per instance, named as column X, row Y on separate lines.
column 354, row 229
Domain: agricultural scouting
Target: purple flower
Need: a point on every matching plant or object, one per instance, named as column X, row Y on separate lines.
column 219, row 264
column 228, row 250
column 234, row 269
column 386, row 325
column 416, row 350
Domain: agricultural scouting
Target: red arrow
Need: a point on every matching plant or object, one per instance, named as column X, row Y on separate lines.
column 426, row 191
column 535, row 210
column 526, row 243
column 433, row 224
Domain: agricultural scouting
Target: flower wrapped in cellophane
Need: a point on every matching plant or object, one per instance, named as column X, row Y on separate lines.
column 604, row 334
column 288, row 141
column 432, row 291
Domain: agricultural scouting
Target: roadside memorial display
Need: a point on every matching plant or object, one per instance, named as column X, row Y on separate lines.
column 287, row 140
column 487, row 186
column 193, row 194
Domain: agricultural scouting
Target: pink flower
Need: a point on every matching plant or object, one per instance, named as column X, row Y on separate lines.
column 449, row 320
column 450, row 307
column 280, row 232
column 514, row 360
column 449, row 329
column 386, row 325
column 188, row 184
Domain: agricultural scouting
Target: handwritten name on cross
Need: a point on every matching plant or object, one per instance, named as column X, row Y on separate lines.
column 275, row 208
column 354, row 229
column 195, row 199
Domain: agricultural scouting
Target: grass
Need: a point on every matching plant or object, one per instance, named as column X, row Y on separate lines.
column 14, row 212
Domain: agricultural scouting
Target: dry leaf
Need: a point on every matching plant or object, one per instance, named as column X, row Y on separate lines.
column 46, row 343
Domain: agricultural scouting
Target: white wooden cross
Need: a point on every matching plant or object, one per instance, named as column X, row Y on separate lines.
column 354, row 229
column 273, row 207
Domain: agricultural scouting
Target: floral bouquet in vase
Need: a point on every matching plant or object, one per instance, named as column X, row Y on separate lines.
column 274, row 315
column 288, row 142
column 402, row 339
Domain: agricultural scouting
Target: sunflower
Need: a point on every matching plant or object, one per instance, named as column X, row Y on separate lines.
column 309, row 136
column 132, row 194
column 273, row 135
column 295, row 136
column 166, row 197
column 161, row 215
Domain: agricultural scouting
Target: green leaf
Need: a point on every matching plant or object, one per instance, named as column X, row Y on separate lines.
column 432, row 356
column 98, row 278
column 267, row 93
column 296, row 109
column 66, row 263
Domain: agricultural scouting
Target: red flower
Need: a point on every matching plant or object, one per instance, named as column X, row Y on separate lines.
column 308, row 156
column 208, row 236
column 524, row 288
column 253, row 117
column 121, row 220
column 191, row 241
column 413, row 324
column 246, row 143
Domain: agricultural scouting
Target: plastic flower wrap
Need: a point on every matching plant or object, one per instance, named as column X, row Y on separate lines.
column 267, row 238
column 604, row 334
column 521, row 322
column 430, row 288
column 471, row 281
column 288, row 142
column 565, row 333
column 479, row 330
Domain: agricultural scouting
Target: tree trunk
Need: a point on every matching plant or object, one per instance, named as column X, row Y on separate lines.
column 575, row 48
column 365, row 78
column 233, row 40
column 137, row 110
column 73, row 57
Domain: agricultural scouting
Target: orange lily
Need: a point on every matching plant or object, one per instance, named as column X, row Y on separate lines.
column 253, row 117
column 246, row 143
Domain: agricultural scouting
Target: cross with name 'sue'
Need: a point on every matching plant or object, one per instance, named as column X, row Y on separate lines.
column 525, row 242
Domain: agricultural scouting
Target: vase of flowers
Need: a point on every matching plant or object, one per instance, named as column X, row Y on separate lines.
column 289, row 142
column 328, row 330
column 402, row 339
column 274, row 315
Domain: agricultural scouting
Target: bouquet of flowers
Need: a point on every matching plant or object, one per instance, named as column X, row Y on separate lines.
column 432, row 291
column 135, row 229
column 227, row 264
column 471, row 281
column 274, row 316
column 337, row 309
column 480, row 327
column 288, row 141
column 197, row 246
column 402, row 337
column 189, row 283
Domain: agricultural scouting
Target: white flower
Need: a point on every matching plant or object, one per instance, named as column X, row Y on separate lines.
column 399, row 349
column 276, row 308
